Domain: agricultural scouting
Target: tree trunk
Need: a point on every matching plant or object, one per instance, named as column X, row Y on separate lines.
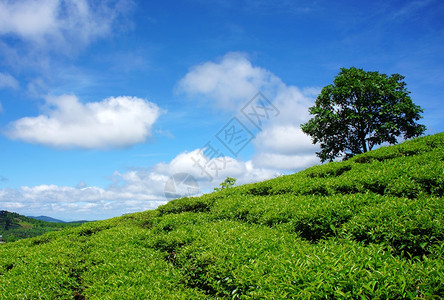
column 363, row 143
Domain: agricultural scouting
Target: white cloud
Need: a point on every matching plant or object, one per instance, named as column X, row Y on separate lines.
column 281, row 143
column 7, row 81
column 214, row 170
column 28, row 18
column 60, row 22
column 293, row 105
column 67, row 123
column 73, row 202
column 284, row 161
column 284, row 140
column 11, row 205
column 229, row 82
column 132, row 191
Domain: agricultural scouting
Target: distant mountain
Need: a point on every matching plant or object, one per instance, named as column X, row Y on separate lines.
column 47, row 219
column 79, row 222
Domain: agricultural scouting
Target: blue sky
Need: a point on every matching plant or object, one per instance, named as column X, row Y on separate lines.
column 102, row 104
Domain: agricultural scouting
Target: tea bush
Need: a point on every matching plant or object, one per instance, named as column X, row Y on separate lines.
column 367, row 228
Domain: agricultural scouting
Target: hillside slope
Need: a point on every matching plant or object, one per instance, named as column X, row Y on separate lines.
column 370, row 227
column 14, row 226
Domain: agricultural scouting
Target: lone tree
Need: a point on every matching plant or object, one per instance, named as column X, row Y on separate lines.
column 360, row 110
column 227, row 183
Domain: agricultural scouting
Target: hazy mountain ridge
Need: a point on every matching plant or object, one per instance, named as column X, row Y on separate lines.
column 47, row 219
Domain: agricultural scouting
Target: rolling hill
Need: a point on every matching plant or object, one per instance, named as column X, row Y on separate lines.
column 14, row 226
column 370, row 227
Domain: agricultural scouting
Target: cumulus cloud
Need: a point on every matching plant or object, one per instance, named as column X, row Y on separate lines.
column 38, row 35
column 230, row 82
column 284, row 139
column 75, row 202
column 286, row 162
column 60, row 22
column 212, row 171
column 281, row 143
column 7, row 81
column 66, row 123
column 131, row 191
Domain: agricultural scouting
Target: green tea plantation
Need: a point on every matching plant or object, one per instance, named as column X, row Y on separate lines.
column 371, row 227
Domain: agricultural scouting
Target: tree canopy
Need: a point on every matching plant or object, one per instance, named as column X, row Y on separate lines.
column 361, row 110
column 227, row 183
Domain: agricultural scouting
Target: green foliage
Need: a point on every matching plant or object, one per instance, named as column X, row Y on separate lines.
column 193, row 204
column 227, row 183
column 368, row 228
column 361, row 110
column 408, row 227
column 14, row 227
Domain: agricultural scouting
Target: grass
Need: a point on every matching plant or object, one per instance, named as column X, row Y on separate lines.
column 370, row 227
